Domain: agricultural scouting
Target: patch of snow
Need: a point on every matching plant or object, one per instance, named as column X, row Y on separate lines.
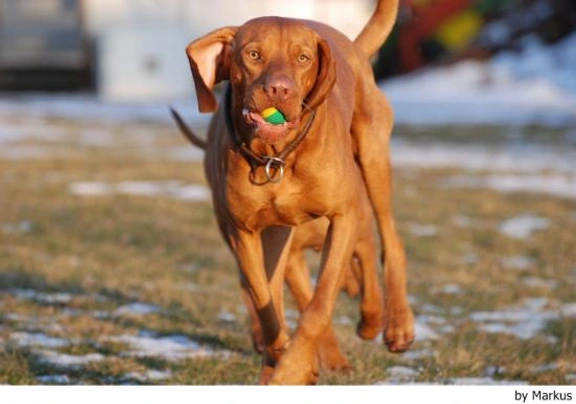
column 450, row 289
column 401, row 374
column 68, row 361
column 461, row 221
column 569, row 310
column 534, row 86
column 101, row 314
column 483, row 381
column 343, row 320
column 523, row 157
column 137, row 309
column 172, row 189
column 14, row 132
column 25, row 339
column 492, row 371
column 226, row 316
column 90, row 107
column 171, row 348
column 42, row 297
column 535, row 282
column 456, row 310
column 518, row 262
column 291, row 324
column 429, row 308
column 192, row 193
column 522, row 227
column 291, row 314
column 470, row 258
column 190, row 286
column 150, row 375
column 550, row 367
column 423, row 230
column 424, row 331
column 53, row 379
column 417, row 355
column 22, row 227
column 524, row 321
column 560, row 185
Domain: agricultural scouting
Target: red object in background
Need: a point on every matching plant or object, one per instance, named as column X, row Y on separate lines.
column 423, row 23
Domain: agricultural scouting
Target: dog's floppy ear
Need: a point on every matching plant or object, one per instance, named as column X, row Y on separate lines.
column 326, row 75
column 209, row 59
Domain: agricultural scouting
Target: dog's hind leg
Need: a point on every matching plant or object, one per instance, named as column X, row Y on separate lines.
column 371, row 131
column 371, row 306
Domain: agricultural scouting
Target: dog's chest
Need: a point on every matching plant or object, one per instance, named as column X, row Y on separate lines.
column 289, row 203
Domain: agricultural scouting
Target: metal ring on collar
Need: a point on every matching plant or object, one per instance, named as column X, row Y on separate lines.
column 278, row 165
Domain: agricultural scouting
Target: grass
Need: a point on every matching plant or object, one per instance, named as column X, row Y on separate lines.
column 106, row 252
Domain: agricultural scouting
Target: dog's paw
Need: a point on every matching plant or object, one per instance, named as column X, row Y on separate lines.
column 333, row 360
column 294, row 373
column 399, row 329
column 330, row 354
column 370, row 325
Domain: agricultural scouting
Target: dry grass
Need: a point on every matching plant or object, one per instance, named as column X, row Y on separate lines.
column 106, row 252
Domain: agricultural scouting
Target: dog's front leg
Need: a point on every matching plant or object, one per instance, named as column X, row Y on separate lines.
column 262, row 259
column 299, row 364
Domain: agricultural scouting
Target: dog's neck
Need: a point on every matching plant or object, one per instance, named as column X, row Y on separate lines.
column 252, row 147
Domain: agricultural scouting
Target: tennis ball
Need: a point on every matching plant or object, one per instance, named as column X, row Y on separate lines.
column 273, row 116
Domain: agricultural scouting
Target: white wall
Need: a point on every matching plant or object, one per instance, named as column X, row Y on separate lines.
column 133, row 35
column 200, row 16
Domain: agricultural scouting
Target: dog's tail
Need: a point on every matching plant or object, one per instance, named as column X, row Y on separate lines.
column 378, row 27
column 186, row 131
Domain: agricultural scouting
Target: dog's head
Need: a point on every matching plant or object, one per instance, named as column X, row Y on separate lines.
column 270, row 62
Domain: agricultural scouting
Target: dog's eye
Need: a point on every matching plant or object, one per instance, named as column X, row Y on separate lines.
column 303, row 58
column 254, row 55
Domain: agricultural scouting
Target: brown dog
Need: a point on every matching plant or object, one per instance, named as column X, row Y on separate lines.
column 267, row 178
column 361, row 277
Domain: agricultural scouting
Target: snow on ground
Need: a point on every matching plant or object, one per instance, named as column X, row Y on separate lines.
column 137, row 309
column 523, row 157
column 171, row 348
column 525, row 321
column 172, row 189
column 150, row 375
column 54, row 379
column 38, row 339
column 534, row 86
column 42, row 297
column 562, row 185
column 522, row 227
column 89, row 107
column 456, row 381
column 68, row 361
column 518, row 262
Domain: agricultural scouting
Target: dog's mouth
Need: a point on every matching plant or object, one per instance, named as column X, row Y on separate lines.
column 269, row 133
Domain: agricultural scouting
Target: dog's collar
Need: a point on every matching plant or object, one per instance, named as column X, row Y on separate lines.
column 273, row 165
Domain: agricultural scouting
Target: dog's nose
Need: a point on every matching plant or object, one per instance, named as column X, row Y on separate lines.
column 279, row 87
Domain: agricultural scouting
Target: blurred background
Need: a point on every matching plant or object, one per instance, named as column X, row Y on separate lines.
column 132, row 50
column 485, row 53
column 112, row 270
